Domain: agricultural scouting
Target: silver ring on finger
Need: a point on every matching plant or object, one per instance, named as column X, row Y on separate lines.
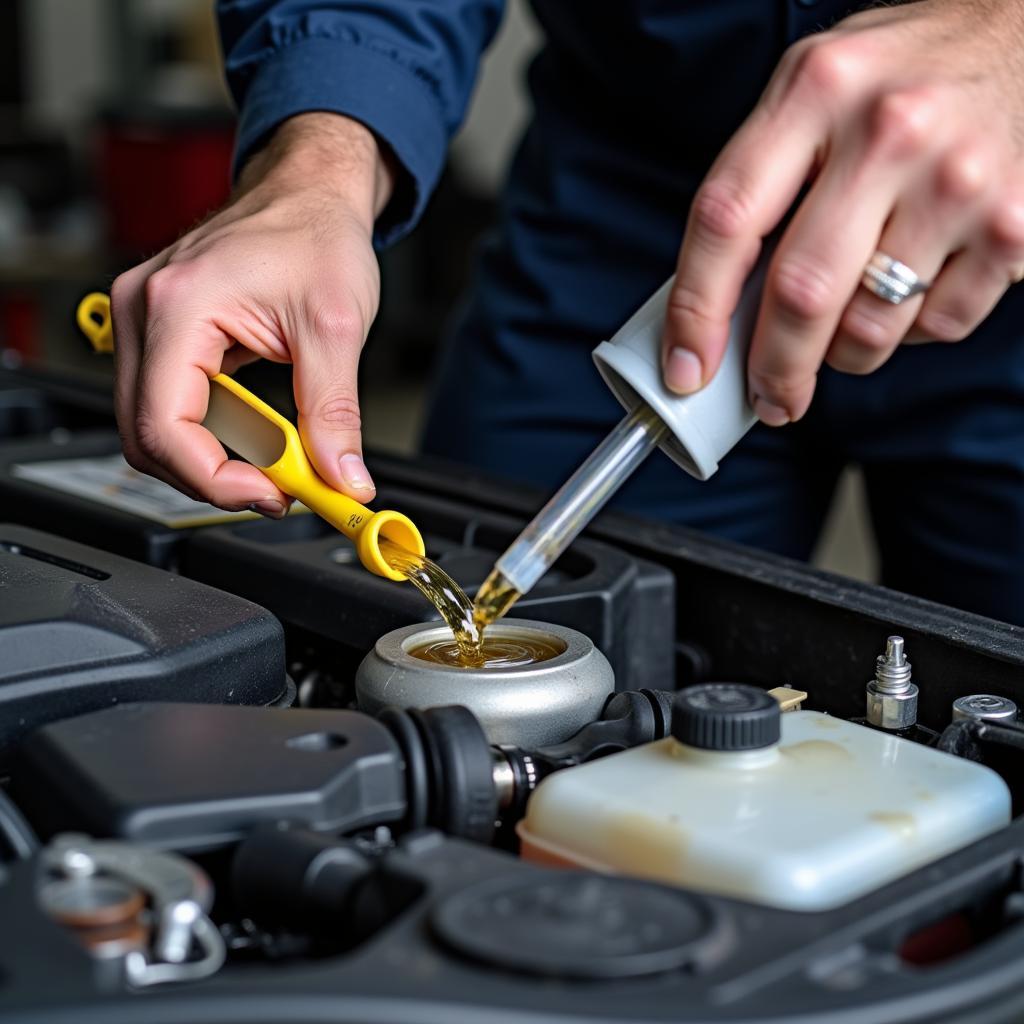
column 892, row 280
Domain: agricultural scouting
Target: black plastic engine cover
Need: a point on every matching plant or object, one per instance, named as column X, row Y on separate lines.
column 308, row 575
column 82, row 629
column 191, row 777
column 69, row 515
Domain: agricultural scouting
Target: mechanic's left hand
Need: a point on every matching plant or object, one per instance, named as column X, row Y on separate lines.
column 907, row 125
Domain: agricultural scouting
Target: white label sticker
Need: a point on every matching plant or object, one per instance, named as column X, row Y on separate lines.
column 109, row 480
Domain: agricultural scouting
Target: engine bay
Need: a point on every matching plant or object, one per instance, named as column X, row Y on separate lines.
column 230, row 795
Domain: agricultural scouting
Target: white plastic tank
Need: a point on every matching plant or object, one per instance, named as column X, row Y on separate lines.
column 799, row 810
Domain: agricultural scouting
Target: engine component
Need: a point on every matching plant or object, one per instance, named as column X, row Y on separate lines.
column 527, row 705
column 998, row 744
column 525, row 920
column 449, row 770
column 984, row 707
column 34, row 403
column 789, row 698
column 304, row 573
column 19, row 841
column 80, row 487
column 99, row 890
column 968, row 737
column 336, row 893
column 286, row 877
column 459, row 784
column 891, row 696
column 131, row 772
column 193, row 777
column 81, row 629
column 106, row 914
column 798, row 810
column 628, row 720
column 576, row 925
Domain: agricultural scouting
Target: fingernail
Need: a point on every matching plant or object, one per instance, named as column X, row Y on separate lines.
column 768, row 412
column 270, row 508
column 683, row 372
column 355, row 474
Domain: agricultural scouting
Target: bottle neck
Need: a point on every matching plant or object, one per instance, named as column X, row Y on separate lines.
column 726, row 760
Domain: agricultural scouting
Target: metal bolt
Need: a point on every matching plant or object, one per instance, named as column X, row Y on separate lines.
column 77, row 863
column 174, row 934
column 891, row 696
column 892, row 670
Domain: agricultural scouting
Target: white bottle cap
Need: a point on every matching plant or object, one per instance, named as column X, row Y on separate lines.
column 703, row 426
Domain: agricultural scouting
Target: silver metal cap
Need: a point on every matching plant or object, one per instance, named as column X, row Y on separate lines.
column 985, row 706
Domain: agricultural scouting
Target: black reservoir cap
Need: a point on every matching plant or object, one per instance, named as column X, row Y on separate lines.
column 726, row 716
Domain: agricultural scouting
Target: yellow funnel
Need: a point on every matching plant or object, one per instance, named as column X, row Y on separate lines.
column 262, row 436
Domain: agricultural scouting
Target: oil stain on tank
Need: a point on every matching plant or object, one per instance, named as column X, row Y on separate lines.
column 811, row 753
column 654, row 846
column 903, row 824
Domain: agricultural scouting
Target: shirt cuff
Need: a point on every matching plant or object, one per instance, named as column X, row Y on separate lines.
column 332, row 75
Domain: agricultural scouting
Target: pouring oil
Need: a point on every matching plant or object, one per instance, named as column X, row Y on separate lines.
column 534, row 551
column 493, row 652
column 494, row 598
column 468, row 647
column 444, row 594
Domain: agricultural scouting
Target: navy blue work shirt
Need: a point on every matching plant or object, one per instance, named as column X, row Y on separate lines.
column 632, row 101
column 672, row 80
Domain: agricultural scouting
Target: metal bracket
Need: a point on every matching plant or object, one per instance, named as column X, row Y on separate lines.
column 180, row 898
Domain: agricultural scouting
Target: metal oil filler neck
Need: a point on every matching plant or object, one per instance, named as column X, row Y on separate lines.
column 891, row 696
column 525, row 702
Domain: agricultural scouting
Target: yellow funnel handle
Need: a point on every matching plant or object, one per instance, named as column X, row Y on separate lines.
column 94, row 321
column 285, row 462
column 230, row 419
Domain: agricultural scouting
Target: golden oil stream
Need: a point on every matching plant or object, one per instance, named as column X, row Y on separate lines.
column 494, row 598
column 442, row 592
column 467, row 620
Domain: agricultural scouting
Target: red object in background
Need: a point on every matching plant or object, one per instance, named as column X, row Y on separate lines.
column 941, row 940
column 19, row 322
column 160, row 173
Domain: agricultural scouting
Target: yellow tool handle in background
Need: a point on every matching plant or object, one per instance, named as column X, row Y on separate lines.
column 265, row 438
column 94, row 321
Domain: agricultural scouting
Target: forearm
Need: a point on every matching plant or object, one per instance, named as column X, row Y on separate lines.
column 329, row 152
column 404, row 68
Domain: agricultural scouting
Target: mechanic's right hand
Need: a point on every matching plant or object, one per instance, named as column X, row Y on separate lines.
column 286, row 271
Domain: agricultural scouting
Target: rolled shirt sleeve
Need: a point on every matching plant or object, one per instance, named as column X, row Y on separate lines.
column 404, row 68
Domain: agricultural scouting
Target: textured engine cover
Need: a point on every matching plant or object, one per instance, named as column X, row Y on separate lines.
column 81, row 629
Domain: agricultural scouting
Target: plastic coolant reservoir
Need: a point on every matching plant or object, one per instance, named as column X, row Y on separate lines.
column 801, row 811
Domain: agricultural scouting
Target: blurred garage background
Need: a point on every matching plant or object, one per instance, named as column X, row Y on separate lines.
column 115, row 136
